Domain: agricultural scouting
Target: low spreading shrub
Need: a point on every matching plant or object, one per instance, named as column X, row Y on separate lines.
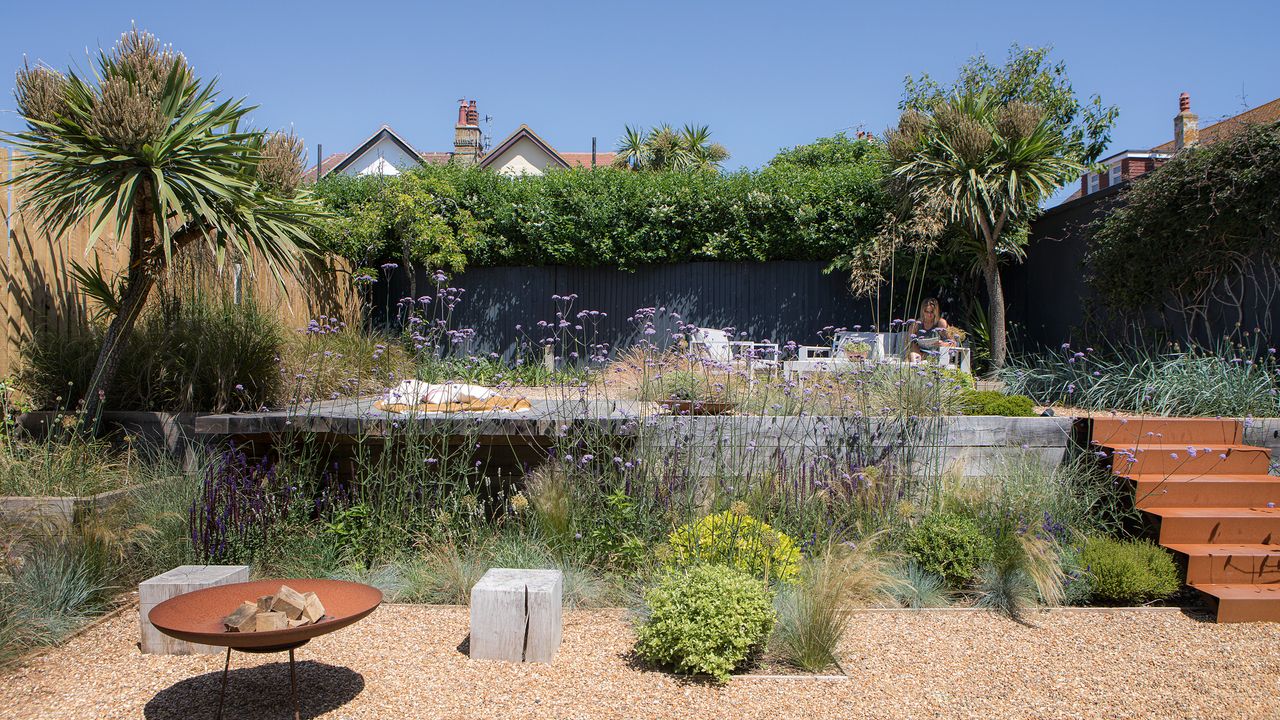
column 949, row 545
column 1128, row 571
column 738, row 540
column 705, row 620
column 993, row 402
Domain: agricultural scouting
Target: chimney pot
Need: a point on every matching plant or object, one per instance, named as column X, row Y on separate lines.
column 1186, row 125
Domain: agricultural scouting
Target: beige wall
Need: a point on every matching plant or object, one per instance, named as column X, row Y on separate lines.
column 39, row 292
column 523, row 158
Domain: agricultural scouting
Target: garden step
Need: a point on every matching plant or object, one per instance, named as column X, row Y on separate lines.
column 1178, row 459
column 1230, row 563
column 1155, row 490
column 1218, row 525
column 1238, row 602
column 1143, row 430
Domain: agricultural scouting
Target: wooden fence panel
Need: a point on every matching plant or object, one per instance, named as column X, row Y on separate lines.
column 40, row 294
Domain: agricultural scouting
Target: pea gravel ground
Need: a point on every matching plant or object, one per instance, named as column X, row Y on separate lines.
column 405, row 662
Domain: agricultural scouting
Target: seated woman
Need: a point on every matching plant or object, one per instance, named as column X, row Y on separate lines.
column 928, row 332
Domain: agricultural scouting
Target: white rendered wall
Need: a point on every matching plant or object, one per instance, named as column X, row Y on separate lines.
column 386, row 157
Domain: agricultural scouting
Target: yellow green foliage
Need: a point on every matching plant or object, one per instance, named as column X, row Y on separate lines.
column 740, row 541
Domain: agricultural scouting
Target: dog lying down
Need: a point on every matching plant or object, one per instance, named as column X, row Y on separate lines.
column 418, row 396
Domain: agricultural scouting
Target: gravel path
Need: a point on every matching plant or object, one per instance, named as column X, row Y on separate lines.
column 404, row 662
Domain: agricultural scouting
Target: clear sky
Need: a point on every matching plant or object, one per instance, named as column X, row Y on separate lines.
column 763, row 75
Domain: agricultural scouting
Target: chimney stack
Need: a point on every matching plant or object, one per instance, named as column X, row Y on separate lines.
column 467, row 149
column 1186, row 125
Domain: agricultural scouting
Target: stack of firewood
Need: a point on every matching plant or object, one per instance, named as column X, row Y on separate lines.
column 288, row 608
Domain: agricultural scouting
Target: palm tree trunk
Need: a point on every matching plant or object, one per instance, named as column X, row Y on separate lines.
column 137, row 288
column 995, row 313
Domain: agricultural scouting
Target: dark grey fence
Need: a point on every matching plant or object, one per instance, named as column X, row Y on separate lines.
column 778, row 301
column 1050, row 301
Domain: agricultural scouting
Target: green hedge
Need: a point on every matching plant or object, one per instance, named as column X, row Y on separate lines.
column 803, row 206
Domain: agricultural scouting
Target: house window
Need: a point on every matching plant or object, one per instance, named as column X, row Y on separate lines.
column 1113, row 175
column 1093, row 182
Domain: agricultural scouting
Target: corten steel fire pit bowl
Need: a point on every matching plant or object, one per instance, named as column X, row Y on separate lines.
column 197, row 617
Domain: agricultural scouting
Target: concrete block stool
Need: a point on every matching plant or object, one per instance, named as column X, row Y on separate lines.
column 182, row 579
column 515, row 615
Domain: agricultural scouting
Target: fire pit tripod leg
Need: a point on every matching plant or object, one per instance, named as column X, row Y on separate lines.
column 293, row 678
column 222, row 696
column 293, row 686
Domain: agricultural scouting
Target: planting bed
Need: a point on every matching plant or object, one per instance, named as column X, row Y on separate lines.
column 405, row 662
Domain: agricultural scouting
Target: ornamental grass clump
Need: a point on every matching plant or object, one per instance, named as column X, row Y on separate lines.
column 705, row 620
column 812, row 613
column 740, row 541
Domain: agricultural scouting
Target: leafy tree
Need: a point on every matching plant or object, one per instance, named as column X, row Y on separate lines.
column 414, row 216
column 146, row 147
column 664, row 148
column 835, row 151
column 921, row 231
column 1027, row 76
column 1195, row 233
column 984, row 166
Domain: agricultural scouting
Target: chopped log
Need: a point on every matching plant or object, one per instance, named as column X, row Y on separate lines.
column 264, row 603
column 288, row 601
column 312, row 609
column 243, row 619
column 270, row 620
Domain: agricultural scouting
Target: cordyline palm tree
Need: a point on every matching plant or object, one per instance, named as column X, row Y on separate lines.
column 149, row 150
column 664, row 148
column 986, row 166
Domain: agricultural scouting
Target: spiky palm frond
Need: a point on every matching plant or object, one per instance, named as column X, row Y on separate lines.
column 665, row 148
column 195, row 170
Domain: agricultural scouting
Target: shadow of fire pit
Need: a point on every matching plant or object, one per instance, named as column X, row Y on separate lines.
column 258, row 692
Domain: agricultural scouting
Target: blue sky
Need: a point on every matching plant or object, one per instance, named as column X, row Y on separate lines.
column 763, row 75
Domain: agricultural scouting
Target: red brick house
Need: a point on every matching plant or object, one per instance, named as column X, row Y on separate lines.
column 1128, row 164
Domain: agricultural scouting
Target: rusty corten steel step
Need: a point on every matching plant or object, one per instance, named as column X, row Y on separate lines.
column 1211, row 563
column 1156, row 490
column 1188, row 459
column 1218, row 525
column 1216, row 501
column 1145, row 430
column 1243, row 602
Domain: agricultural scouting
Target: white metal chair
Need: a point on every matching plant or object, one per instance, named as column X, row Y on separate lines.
column 716, row 346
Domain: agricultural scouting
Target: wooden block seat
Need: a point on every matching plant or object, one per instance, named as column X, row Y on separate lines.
column 515, row 615
column 179, row 581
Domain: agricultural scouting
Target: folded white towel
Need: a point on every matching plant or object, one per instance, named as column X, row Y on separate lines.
column 416, row 392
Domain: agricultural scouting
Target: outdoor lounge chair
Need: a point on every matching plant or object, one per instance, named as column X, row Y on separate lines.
column 716, row 346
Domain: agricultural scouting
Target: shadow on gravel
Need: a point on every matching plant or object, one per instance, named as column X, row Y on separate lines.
column 258, row 692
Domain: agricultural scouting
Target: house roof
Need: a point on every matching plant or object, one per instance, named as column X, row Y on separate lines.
column 1265, row 113
column 384, row 131
column 326, row 166
column 524, row 131
column 583, row 159
column 337, row 162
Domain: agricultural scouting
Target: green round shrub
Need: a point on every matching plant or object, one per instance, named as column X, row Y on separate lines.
column 738, row 540
column 994, row 402
column 705, row 620
column 952, row 546
column 1127, row 572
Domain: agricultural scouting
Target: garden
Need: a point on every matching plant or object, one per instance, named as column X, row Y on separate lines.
column 731, row 530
